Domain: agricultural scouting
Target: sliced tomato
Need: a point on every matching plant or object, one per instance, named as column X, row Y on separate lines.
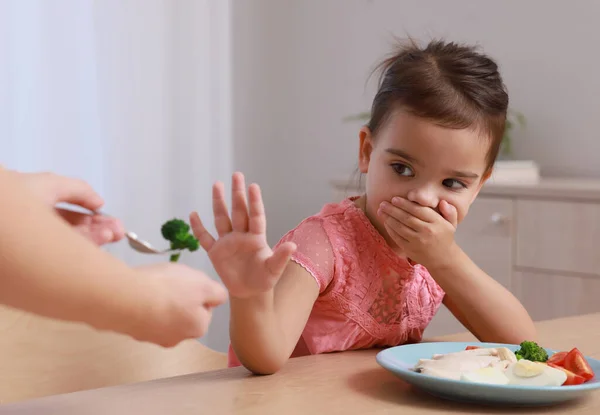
column 558, row 358
column 472, row 347
column 572, row 378
column 577, row 363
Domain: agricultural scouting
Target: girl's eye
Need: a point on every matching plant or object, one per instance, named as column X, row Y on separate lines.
column 403, row 169
column 454, row 184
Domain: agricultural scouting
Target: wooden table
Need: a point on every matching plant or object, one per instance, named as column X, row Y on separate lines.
column 342, row 383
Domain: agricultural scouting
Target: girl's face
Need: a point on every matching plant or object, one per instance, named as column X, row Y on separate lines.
column 420, row 161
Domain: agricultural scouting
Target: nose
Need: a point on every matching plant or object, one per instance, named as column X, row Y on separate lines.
column 424, row 195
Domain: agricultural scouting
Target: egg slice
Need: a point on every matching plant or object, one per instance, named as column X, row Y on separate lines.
column 490, row 375
column 528, row 369
column 527, row 373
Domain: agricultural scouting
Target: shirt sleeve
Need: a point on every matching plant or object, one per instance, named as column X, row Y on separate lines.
column 314, row 250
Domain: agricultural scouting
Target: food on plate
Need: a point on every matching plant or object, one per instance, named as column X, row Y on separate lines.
column 453, row 365
column 530, row 365
column 492, row 375
column 528, row 373
column 577, row 363
column 572, row 378
column 574, row 364
column 532, row 351
column 557, row 358
column 522, row 372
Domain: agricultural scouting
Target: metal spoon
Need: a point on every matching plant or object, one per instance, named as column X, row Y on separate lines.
column 134, row 241
column 144, row 247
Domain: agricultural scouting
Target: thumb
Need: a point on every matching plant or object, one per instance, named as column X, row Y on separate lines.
column 449, row 213
column 214, row 294
column 280, row 258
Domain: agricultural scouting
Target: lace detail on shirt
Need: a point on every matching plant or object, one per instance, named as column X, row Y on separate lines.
column 384, row 308
column 314, row 251
column 374, row 287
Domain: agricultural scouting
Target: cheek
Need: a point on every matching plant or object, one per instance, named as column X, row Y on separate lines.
column 374, row 200
column 384, row 187
column 462, row 205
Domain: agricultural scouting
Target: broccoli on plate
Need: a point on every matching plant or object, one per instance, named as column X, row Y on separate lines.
column 532, row 351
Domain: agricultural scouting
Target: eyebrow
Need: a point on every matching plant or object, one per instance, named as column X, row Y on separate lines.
column 402, row 154
column 453, row 173
column 464, row 174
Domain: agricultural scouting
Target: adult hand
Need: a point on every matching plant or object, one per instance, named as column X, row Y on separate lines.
column 184, row 311
column 51, row 189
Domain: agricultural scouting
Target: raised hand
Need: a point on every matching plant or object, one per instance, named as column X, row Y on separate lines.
column 241, row 256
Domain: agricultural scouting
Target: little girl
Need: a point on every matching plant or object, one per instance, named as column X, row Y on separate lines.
column 373, row 270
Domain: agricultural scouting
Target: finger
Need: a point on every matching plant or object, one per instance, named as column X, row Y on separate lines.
column 114, row 225
column 74, row 218
column 222, row 222
column 203, row 322
column 118, row 229
column 73, row 191
column 401, row 216
column 280, row 258
column 398, row 227
column 101, row 229
column 396, row 235
column 98, row 234
column 258, row 221
column 205, row 239
column 424, row 213
column 239, row 210
column 215, row 295
column 84, row 224
column 449, row 213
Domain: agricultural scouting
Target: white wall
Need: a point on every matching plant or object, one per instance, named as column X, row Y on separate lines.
column 300, row 66
column 131, row 96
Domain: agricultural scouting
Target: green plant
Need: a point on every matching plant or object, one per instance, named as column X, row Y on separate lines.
column 513, row 119
column 177, row 232
column 361, row 116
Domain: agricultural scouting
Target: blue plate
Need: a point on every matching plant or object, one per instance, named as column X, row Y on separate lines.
column 401, row 359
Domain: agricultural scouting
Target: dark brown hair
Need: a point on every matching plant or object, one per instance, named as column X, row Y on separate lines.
column 450, row 84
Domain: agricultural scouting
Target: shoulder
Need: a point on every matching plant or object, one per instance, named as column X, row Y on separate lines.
column 331, row 213
column 316, row 239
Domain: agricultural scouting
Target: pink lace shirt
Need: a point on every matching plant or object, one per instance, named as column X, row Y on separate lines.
column 369, row 296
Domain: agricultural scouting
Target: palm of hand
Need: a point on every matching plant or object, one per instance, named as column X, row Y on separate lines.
column 240, row 259
column 241, row 255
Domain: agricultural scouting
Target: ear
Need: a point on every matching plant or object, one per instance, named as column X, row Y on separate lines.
column 365, row 149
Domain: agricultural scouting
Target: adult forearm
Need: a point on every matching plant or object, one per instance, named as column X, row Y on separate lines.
column 49, row 269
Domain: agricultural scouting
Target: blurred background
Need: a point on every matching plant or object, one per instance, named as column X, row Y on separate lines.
column 151, row 101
